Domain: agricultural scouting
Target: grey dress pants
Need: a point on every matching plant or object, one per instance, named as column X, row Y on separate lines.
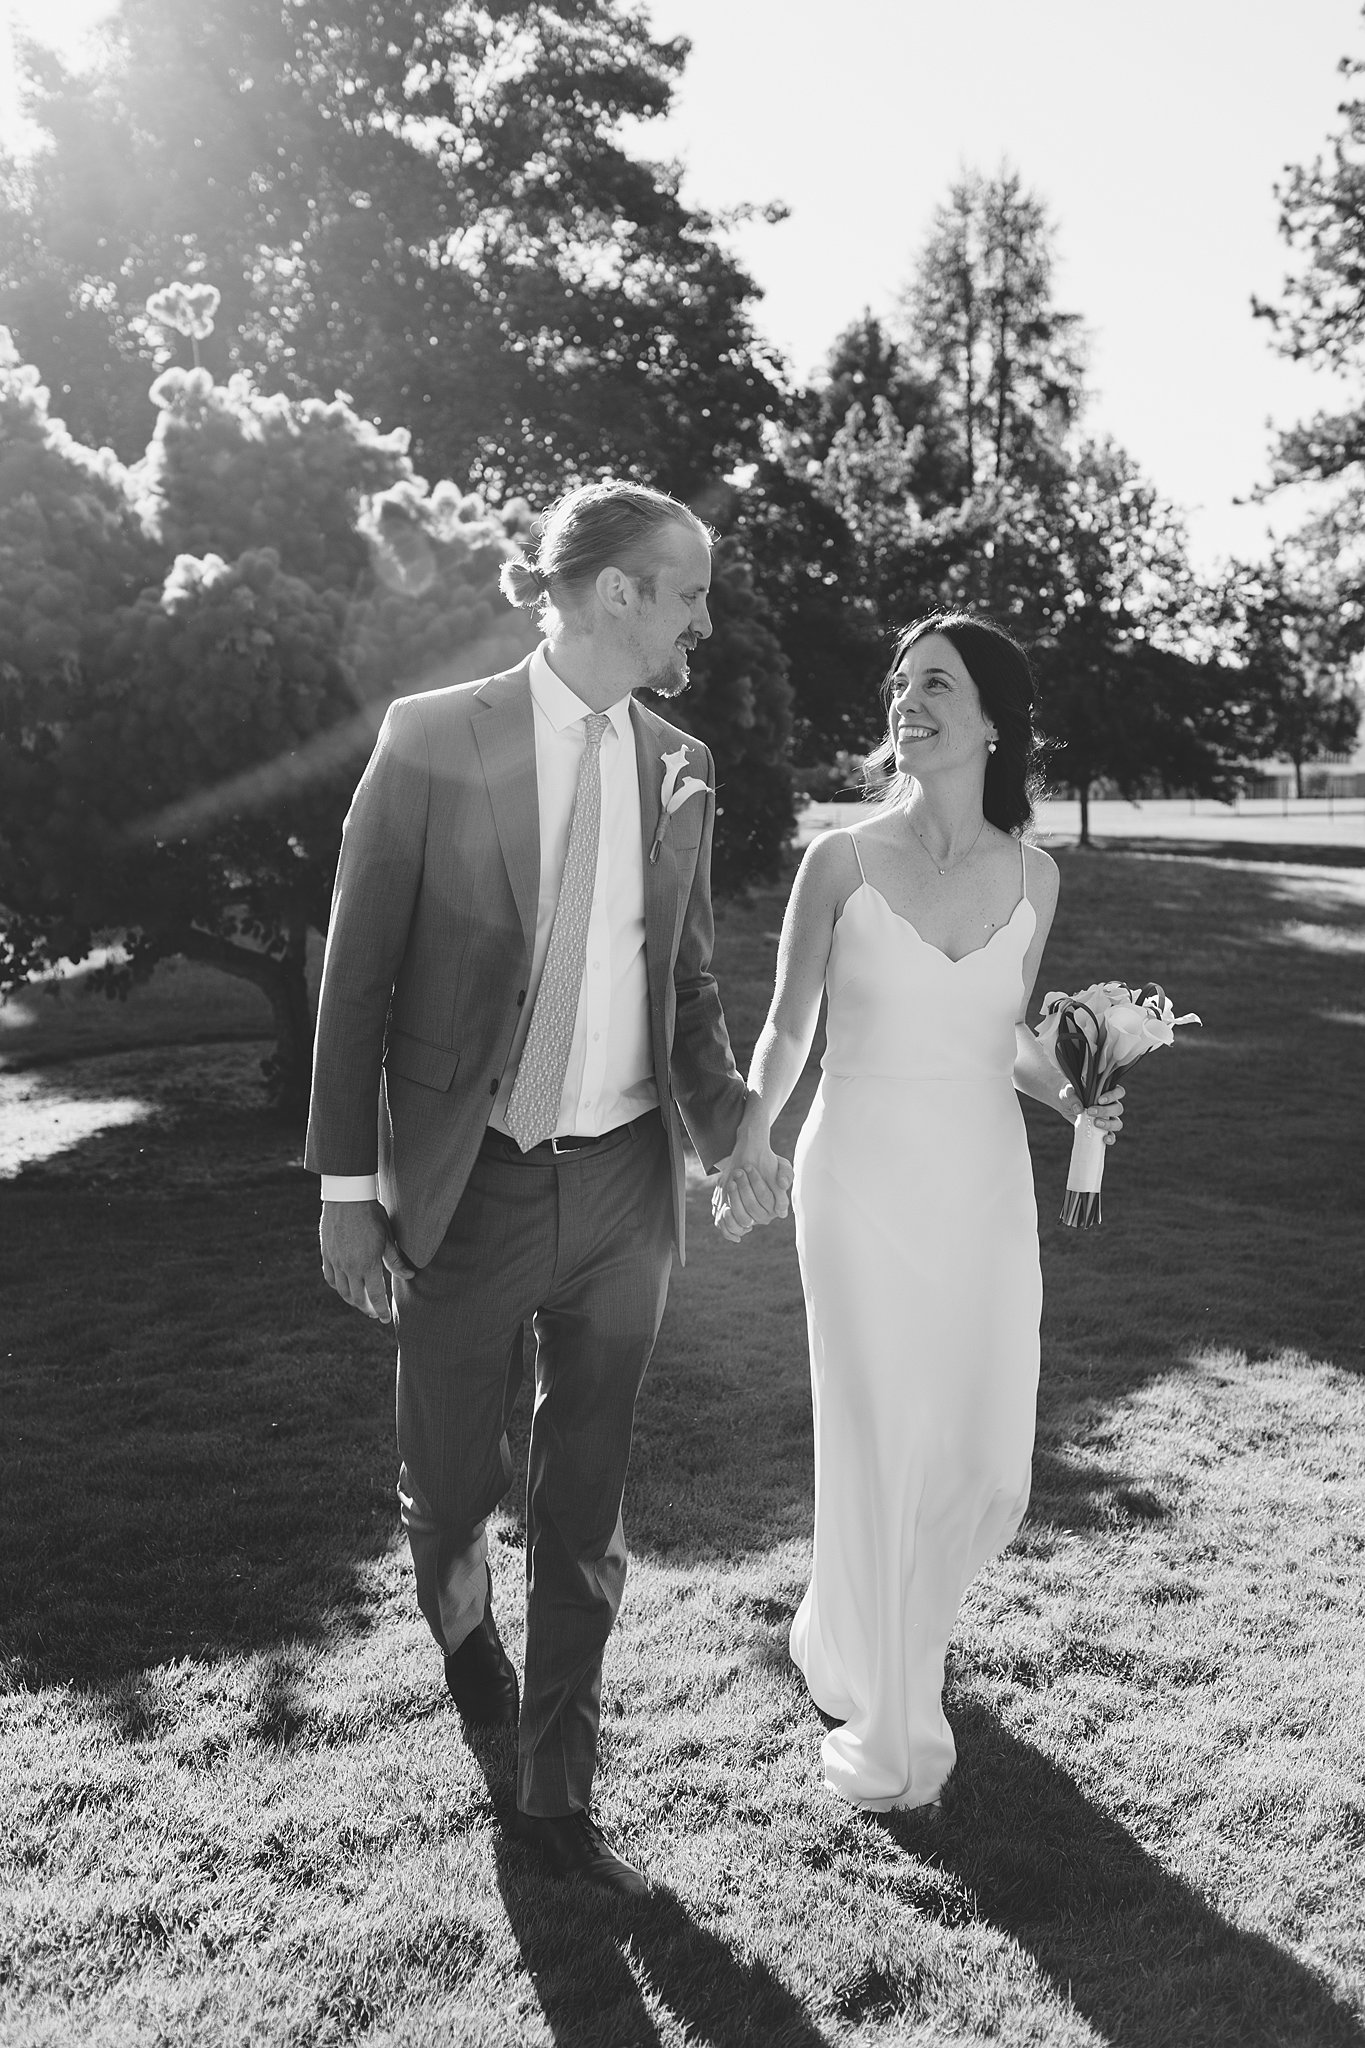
column 581, row 1242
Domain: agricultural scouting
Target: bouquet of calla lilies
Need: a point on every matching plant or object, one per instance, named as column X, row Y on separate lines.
column 1094, row 1036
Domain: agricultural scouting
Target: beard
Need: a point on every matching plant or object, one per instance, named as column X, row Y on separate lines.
column 672, row 679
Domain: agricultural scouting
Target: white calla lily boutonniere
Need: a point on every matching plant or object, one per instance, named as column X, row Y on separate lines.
column 674, row 793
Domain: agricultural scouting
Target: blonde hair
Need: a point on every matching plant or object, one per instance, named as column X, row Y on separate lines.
column 592, row 528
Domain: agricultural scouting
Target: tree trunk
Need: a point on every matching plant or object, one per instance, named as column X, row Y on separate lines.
column 1083, row 792
column 1002, row 367
column 283, row 982
column 1298, row 777
column 969, row 378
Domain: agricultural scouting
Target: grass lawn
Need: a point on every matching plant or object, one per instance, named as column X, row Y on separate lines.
column 237, row 1808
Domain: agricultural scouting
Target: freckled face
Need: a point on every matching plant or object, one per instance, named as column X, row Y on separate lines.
column 668, row 626
column 936, row 715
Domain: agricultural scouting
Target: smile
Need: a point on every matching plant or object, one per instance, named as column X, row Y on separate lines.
column 917, row 732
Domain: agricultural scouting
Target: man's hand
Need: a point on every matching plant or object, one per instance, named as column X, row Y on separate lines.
column 752, row 1186
column 357, row 1245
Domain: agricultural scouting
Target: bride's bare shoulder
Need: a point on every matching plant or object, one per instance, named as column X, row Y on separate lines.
column 831, row 868
column 1044, row 877
column 834, row 848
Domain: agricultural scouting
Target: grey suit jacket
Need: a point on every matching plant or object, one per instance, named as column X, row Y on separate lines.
column 430, row 942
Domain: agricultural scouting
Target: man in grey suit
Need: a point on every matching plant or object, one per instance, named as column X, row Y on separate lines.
column 518, row 982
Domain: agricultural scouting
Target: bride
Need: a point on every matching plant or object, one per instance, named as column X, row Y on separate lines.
column 915, row 1219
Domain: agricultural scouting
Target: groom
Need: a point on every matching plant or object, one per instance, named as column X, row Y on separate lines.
column 517, row 1017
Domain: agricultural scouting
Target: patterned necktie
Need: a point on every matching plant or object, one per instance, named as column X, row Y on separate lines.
column 533, row 1106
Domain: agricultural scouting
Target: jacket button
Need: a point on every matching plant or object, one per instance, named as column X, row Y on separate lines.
column 521, row 997
column 492, row 1087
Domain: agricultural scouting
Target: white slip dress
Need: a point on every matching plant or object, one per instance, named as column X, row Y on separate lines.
column 918, row 1239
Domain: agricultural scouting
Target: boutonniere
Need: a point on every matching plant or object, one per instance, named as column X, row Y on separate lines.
column 673, row 794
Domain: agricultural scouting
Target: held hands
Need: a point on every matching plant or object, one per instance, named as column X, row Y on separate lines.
column 357, row 1245
column 752, row 1186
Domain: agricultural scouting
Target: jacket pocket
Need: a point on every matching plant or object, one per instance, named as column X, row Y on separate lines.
column 433, row 1066
column 685, row 847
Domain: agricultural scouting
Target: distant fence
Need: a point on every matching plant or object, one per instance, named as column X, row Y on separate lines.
column 1330, row 819
column 1320, row 784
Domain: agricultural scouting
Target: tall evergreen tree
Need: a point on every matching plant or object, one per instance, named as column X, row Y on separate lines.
column 978, row 318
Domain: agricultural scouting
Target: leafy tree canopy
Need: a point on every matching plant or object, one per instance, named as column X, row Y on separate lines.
column 1284, row 622
column 1321, row 319
column 739, row 703
column 196, row 649
column 1089, row 567
column 194, row 655
column 431, row 210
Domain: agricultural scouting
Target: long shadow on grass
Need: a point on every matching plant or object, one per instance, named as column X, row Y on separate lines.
column 196, row 1457
column 1140, row 1953
column 596, row 1961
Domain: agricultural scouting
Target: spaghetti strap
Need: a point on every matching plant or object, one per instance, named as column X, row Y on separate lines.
column 1023, row 874
column 856, row 855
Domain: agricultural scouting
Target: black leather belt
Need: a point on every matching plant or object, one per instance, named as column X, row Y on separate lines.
column 498, row 1145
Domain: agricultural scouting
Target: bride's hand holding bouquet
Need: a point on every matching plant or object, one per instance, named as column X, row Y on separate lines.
column 1093, row 1037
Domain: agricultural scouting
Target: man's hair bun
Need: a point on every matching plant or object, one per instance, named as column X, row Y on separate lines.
column 522, row 584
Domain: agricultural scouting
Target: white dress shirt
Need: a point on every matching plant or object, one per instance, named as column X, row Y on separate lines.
column 610, row 1075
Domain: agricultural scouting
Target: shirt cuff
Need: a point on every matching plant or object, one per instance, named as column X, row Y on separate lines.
column 350, row 1187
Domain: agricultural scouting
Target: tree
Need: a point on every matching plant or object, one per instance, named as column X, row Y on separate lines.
column 194, row 656
column 1120, row 697
column 1093, row 572
column 739, row 704
column 429, row 209
column 1090, row 569
column 807, row 562
column 1317, row 585
column 810, row 575
column 979, row 321
column 866, row 375
column 1059, row 538
column 1285, row 630
column 196, row 651
column 1322, row 320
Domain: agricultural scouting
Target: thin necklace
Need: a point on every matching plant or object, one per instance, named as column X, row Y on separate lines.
column 952, row 863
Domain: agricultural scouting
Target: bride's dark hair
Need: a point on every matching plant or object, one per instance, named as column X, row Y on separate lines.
column 999, row 667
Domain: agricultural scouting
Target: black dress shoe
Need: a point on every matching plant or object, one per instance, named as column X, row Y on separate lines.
column 572, row 1845
column 479, row 1675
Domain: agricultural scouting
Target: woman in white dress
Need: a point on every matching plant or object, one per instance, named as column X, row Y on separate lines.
column 915, row 1219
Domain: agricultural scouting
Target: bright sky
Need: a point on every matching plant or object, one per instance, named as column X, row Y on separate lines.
column 1155, row 135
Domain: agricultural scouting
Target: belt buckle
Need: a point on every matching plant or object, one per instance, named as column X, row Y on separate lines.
column 559, row 1146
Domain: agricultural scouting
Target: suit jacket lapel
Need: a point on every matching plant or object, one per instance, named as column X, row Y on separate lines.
column 661, row 876
column 504, row 729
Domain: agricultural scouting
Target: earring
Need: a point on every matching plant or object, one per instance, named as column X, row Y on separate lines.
column 991, row 748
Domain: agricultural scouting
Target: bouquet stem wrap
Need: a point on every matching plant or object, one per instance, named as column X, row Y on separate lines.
column 1094, row 1036
column 1081, row 1206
